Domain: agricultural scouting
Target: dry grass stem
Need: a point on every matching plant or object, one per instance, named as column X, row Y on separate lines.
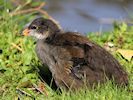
column 17, row 47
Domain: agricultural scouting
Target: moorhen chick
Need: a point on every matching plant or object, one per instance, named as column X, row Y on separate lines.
column 73, row 59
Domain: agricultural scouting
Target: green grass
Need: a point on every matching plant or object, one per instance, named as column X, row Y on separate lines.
column 18, row 68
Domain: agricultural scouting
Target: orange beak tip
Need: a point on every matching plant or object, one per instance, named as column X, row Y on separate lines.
column 26, row 32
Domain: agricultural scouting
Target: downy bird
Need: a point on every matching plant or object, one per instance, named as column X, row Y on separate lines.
column 74, row 60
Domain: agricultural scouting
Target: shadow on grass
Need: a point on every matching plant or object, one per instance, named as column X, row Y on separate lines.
column 46, row 75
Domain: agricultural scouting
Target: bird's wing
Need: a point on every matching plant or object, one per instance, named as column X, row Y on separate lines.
column 77, row 44
column 85, row 53
column 78, row 55
column 74, row 39
column 77, row 48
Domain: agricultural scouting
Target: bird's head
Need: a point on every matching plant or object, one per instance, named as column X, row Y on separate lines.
column 41, row 28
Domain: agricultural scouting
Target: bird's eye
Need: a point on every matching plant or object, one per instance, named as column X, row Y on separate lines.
column 33, row 27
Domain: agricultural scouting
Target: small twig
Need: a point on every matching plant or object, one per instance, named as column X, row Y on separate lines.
column 14, row 45
column 44, row 13
column 23, row 11
column 41, row 88
column 27, row 10
column 22, row 92
column 41, row 5
column 37, row 9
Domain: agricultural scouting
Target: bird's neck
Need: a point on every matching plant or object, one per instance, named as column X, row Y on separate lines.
column 49, row 39
column 52, row 38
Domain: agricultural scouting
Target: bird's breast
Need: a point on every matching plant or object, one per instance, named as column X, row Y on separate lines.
column 53, row 56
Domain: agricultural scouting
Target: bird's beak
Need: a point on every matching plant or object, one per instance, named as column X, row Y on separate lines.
column 26, row 32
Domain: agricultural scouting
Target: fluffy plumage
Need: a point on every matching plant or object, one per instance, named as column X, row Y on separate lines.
column 73, row 59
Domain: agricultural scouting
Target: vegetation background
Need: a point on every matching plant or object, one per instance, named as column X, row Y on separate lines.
column 19, row 65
